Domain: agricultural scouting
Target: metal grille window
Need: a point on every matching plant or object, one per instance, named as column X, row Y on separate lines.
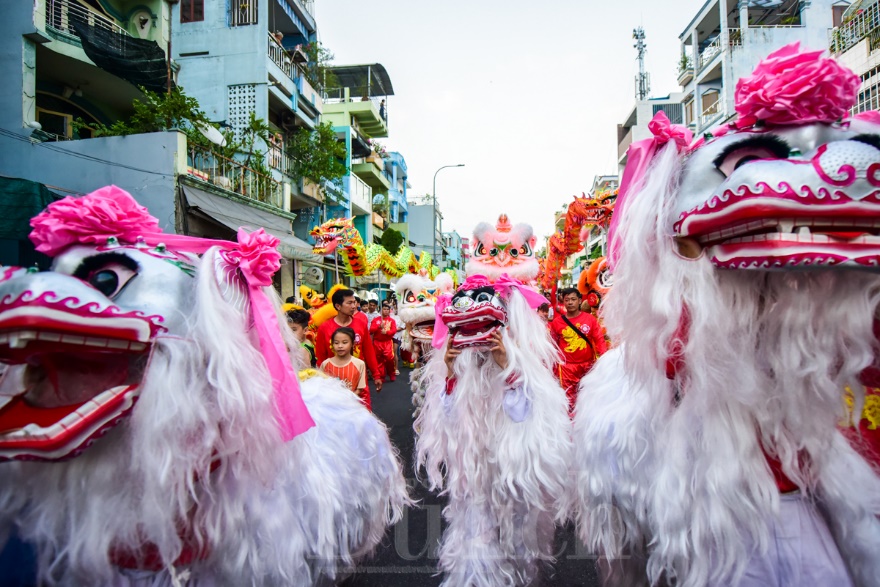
column 674, row 112
column 192, row 10
column 242, row 12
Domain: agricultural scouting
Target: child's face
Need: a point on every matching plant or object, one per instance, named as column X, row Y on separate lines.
column 341, row 345
column 298, row 331
column 386, row 311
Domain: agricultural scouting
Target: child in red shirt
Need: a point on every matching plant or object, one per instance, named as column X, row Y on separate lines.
column 351, row 370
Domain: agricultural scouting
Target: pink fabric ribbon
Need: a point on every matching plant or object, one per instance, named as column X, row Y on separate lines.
column 112, row 212
column 440, row 329
column 638, row 159
column 505, row 283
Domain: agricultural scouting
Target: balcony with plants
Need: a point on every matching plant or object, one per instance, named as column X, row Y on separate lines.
column 856, row 27
column 359, row 93
column 372, row 167
column 685, row 70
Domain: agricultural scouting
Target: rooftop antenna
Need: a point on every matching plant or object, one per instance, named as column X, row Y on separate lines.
column 643, row 79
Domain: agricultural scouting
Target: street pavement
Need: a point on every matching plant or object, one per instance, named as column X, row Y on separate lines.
column 407, row 556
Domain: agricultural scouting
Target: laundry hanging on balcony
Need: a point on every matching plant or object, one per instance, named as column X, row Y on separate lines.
column 138, row 61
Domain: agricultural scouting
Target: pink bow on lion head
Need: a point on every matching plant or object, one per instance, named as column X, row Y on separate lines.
column 504, row 285
column 111, row 212
column 638, row 159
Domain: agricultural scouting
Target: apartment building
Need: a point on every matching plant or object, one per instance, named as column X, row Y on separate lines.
column 855, row 42
column 357, row 107
column 85, row 60
column 726, row 39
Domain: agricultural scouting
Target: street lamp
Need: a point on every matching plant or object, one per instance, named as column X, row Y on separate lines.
column 434, row 217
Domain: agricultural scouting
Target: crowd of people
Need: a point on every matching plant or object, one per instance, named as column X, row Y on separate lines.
column 364, row 339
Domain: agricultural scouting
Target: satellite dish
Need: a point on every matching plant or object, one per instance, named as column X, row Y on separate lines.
column 212, row 134
column 313, row 276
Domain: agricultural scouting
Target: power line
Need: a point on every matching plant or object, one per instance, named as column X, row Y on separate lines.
column 91, row 158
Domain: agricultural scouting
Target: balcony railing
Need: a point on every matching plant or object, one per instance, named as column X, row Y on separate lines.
column 234, row 177
column 280, row 56
column 854, row 30
column 735, row 37
column 710, row 113
column 709, row 53
column 360, row 193
column 60, row 15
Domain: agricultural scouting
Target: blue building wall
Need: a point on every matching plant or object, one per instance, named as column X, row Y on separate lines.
column 143, row 165
column 232, row 58
column 396, row 172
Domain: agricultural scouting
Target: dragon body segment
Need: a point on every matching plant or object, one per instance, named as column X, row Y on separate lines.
column 363, row 259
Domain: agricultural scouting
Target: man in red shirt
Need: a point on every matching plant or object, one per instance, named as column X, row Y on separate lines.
column 382, row 329
column 347, row 315
column 580, row 339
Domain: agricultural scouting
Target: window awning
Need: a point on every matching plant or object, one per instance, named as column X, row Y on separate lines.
column 235, row 216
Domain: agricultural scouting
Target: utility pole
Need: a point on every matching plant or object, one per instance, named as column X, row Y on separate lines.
column 643, row 79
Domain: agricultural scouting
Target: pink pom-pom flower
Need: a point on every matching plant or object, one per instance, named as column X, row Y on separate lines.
column 92, row 219
column 791, row 87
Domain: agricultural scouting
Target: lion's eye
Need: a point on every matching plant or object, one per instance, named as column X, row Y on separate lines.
column 759, row 148
column 108, row 273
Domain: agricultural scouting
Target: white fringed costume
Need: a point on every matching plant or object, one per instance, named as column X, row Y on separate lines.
column 735, row 350
column 497, row 444
column 193, row 485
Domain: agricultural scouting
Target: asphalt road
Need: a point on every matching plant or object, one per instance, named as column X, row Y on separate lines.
column 407, row 556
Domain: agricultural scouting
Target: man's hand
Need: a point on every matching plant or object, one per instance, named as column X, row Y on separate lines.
column 378, row 383
column 449, row 357
column 499, row 353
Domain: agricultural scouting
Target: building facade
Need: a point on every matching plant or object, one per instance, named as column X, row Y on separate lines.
column 59, row 94
column 855, row 42
column 635, row 127
column 726, row 39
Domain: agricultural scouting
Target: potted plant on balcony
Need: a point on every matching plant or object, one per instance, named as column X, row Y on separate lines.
column 317, row 155
column 377, row 154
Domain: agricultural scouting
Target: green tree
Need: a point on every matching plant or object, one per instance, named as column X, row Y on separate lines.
column 257, row 129
column 158, row 111
column 317, row 155
column 392, row 240
column 317, row 69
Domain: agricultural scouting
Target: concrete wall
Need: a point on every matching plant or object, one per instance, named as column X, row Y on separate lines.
column 421, row 219
column 17, row 61
column 143, row 165
column 236, row 55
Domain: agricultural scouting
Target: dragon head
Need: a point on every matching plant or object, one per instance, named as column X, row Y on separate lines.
column 331, row 234
column 503, row 249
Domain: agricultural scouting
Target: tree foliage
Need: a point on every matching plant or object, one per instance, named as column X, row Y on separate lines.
column 317, row 155
column 392, row 240
column 317, row 69
column 158, row 111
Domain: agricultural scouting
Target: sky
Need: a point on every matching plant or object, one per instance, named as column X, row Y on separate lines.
column 527, row 94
